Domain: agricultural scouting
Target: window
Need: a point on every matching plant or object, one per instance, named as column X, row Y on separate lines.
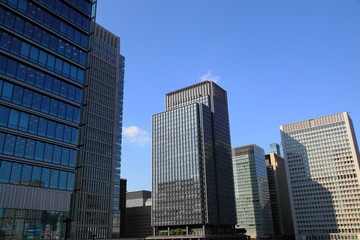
column 5, row 169
column 15, row 173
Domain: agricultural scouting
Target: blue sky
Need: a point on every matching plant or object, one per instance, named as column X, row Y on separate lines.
column 279, row 61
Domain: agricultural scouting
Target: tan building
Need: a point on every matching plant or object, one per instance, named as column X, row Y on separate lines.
column 279, row 195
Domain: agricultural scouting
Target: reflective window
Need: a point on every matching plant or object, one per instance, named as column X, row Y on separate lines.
column 5, row 171
column 15, row 173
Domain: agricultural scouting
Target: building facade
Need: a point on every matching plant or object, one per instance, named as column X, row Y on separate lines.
column 276, row 148
column 43, row 62
column 322, row 162
column 138, row 215
column 96, row 202
column 253, row 208
column 193, row 190
column 279, row 195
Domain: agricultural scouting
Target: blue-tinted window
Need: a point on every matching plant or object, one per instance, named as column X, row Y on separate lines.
column 65, row 156
column 37, row 34
column 34, row 54
column 76, row 117
column 48, row 157
column 15, row 173
column 7, row 91
column 45, row 38
column 28, row 96
column 15, row 46
column 70, row 182
column 51, row 129
column 62, row 110
column 67, row 134
column 29, row 149
column 69, row 113
column 48, row 82
column 51, row 62
column 58, row 65
column 36, row 176
column 4, row 115
column 42, row 127
column 54, row 107
column 40, row 78
column 18, row 95
column 9, row 144
column 11, row 68
column 33, row 124
column 62, row 180
column 36, row 104
column 54, row 180
column 5, row 171
column 45, row 104
column 57, row 155
column 2, row 141
column 45, row 177
column 21, row 73
column 39, row 152
column 25, row 50
column 43, row 58
column 26, row 175
column 3, row 62
column 31, row 76
column 20, row 147
column 9, row 20
column 71, row 92
column 64, row 89
column 19, row 25
column 66, row 69
column 56, row 86
column 72, row 158
column 74, row 136
column 24, row 121
column 59, row 133
column 14, row 118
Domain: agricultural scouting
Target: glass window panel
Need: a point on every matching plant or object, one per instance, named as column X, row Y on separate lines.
column 68, row 50
column 42, row 127
column 78, row 97
column 48, row 20
column 58, row 65
column 66, row 69
column 3, row 62
column 45, row 38
column 45, row 104
column 71, row 92
column 2, row 141
column 48, row 83
column 72, row 158
column 40, row 15
column 57, row 155
column 69, row 113
column 65, row 156
column 25, row 50
column 48, row 152
column 73, row 72
column 36, row 177
column 21, row 72
column 62, row 110
column 15, row 173
column 20, row 147
column 9, row 20
column 51, row 129
column 80, row 76
column 29, row 149
column 37, row 34
column 33, row 124
column 36, row 104
column 19, row 25
column 59, row 134
column 54, row 180
column 34, row 54
column 31, row 75
column 7, row 91
column 75, row 54
column 45, row 177
column 61, row 47
column 18, row 95
column 23, row 5
column 40, row 78
column 54, row 107
column 51, row 62
column 14, row 119
column 15, row 46
column 67, row 134
column 5, row 171
column 9, row 144
column 76, row 115
column 62, row 180
column 70, row 182
column 39, row 152
column 24, row 121
column 64, row 89
column 4, row 115
column 31, row 10
column 28, row 96
column 56, row 86
column 26, row 175
column 42, row 59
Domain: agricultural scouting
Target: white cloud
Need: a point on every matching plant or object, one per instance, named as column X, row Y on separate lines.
column 210, row 77
column 137, row 135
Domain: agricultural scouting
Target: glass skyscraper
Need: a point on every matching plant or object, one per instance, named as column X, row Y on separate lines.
column 252, row 197
column 43, row 61
column 322, row 161
column 193, row 189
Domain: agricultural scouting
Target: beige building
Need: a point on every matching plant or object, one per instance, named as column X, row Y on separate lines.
column 279, row 195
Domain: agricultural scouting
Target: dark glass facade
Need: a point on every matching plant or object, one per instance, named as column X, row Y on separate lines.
column 43, row 62
column 96, row 203
column 193, row 187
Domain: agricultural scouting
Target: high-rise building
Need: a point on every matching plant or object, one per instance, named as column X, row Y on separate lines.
column 43, row 61
column 276, row 148
column 96, row 203
column 193, row 189
column 253, row 209
column 123, row 190
column 138, row 215
column 322, row 162
column 279, row 195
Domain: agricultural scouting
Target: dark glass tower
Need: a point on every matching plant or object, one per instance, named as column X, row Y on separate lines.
column 43, row 61
column 193, row 188
column 96, row 205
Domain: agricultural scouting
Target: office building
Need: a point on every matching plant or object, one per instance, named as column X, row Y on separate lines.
column 193, row 189
column 276, row 148
column 138, row 214
column 279, row 195
column 252, row 198
column 96, row 203
column 322, row 163
column 43, row 60
column 123, row 190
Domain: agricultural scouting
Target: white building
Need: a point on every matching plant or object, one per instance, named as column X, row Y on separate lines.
column 322, row 162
